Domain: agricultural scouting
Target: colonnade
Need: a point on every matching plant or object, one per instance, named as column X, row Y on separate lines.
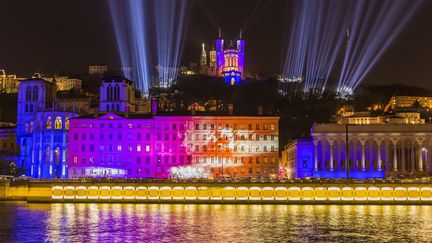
column 394, row 155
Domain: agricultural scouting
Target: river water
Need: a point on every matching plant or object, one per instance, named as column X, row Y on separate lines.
column 22, row 222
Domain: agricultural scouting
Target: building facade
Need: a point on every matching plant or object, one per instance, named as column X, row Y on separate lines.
column 42, row 130
column 146, row 146
column 97, row 70
column 9, row 149
column 296, row 159
column 398, row 101
column 8, row 82
column 374, row 151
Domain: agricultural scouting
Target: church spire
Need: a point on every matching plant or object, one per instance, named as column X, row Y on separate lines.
column 203, row 56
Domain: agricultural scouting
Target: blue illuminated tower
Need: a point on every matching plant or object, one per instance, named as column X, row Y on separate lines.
column 241, row 54
column 33, row 95
column 230, row 62
column 220, row 61
column 117, row 95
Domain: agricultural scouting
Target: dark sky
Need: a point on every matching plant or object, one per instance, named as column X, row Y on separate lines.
column 52, row 36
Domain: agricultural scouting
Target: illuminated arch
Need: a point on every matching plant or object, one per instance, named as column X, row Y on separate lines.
column 35, row 93
column 48, row 124
column 28, row 93
column 57, row 155
column 58, row 123
column 67, row 123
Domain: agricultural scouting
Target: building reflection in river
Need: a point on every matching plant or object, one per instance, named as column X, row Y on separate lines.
column 213, row 223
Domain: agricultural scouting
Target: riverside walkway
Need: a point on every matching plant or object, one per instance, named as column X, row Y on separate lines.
column 219, row 191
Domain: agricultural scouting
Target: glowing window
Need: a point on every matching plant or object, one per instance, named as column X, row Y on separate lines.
column 47, row 154
column 119, row 148
column 57, row 155
column 138, row 148
column 75, row 159
column 147, row 148
column 48, row 124
column 67, row 123
column 58, row 123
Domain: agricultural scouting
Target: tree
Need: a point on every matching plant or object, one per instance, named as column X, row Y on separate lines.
column 8, row 167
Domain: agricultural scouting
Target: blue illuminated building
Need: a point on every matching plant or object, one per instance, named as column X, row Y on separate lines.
column 42, row 130
column 230, row 61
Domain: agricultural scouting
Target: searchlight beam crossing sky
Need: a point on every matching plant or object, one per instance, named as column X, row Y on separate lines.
column 150, row 36
column 375, row 26
column 342, row 40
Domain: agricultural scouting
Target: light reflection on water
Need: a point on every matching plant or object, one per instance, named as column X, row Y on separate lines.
column 213, row 223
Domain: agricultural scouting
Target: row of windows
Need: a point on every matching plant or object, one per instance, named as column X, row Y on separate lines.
column 163, row 170
column 166, row 148
column 32, row 93
column 197, row 126
column 119, row 160
column 174, row 136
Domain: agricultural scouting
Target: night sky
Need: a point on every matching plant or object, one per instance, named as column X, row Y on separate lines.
column 52, row 36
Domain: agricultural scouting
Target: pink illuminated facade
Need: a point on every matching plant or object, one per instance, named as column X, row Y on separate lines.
column 146, row 146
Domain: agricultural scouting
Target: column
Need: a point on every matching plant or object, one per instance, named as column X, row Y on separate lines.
column 338, row 158
column 323, row 158
column 394, row 141
column 315, row 142
column 420, row 154
column 363, row 154
column 412, row 154
column 331, row 154
column 403, row 156
column 379, row 163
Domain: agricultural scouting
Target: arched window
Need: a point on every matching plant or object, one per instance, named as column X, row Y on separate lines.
column 67, row 123
column 35, row 93
column 47, row 154
column 58, row 123
column 110, row 94
column 28, row 94
column 48, row 124
column 31, row 126
column 117, row 92
column 57, row 155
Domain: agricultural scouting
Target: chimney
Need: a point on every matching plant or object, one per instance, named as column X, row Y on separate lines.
column 230, row 109
column 260, row 110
